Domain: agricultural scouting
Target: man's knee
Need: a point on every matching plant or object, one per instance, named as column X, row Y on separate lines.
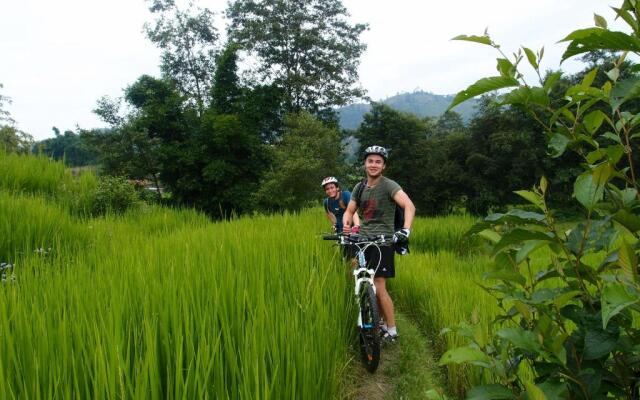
column 381, row 286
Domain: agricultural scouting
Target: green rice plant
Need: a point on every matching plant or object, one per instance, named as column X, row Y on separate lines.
column 439, row 290
column 40, row 175
column 167, row 305
column 29, row 224
column 31, row 174
column 447, row 233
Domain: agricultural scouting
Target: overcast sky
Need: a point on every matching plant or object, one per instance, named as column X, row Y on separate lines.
column 58, row 57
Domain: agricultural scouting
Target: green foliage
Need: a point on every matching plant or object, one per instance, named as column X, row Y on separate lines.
column 187, row 39
column 572, row 322
column 505, row 152
column 4, row 114
column 449, row 122
column 232, row 160
column 226, row 90
column 308, row 152
column 13, row 140
column 307, row 49
column 114, row 195
column 71, row 147
column 37, row 175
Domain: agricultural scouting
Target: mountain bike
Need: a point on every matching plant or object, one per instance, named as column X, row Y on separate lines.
column 368, row 321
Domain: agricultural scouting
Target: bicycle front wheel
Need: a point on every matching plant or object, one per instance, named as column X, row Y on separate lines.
column 370, row 330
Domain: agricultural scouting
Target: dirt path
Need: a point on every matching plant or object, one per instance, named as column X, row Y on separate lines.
column 379, row 385
column 407, row 370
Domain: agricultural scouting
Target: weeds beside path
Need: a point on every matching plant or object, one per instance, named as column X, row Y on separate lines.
column 407, row 370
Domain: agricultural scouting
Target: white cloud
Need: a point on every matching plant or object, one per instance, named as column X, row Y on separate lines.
column 59, row 57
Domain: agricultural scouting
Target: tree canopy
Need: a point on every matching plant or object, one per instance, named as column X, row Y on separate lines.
column 307, row 48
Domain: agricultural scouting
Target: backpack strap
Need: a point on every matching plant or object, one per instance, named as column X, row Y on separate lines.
column 358, row 194
column 341, row 203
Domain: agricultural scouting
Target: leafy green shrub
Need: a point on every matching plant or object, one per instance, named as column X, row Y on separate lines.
column 115, row 194
column 568, row 328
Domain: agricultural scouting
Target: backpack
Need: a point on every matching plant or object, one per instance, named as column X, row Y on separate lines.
column 398, row 218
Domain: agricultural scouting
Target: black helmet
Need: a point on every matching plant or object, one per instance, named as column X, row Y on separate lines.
column 379, row 150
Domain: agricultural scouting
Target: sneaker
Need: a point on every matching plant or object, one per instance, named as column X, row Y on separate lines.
column 388, row 338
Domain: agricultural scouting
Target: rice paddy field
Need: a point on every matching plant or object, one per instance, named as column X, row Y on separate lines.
column 163, row 303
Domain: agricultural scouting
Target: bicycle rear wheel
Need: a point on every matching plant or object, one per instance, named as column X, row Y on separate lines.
column 370, row 330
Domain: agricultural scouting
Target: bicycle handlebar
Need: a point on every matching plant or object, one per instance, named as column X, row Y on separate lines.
column 359, row 238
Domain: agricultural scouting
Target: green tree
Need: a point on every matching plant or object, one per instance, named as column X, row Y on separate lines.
column 506, row 152
column 13, row 140
column 147, row 143
column 259, row 107
column 70, row 147
column 5, row 116
column 439, row 180
column 308, row 152
column 449, row 122
column 188, row 40
column 231, row 162
column 262, row 109
column 308, row 49
column 226, row 91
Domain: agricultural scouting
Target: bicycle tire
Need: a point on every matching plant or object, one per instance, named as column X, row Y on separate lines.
column 370, row 331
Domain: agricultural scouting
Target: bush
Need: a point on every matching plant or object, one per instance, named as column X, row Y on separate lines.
column 568, row 298
column 115, row 194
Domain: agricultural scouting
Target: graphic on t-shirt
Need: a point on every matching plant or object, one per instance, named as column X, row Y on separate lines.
column 370, row 210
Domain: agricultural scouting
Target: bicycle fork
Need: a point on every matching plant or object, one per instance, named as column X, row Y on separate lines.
column 363, row 275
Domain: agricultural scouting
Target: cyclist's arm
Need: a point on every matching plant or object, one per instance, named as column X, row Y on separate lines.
column 348, row 217
column 356, row 218
column 405, row 202
column 331, row 217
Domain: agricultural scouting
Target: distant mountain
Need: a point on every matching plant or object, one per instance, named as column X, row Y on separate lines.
column 422, row 104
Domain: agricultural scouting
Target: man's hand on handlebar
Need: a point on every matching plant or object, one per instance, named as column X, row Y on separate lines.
column 349, row 230
column 402, row 236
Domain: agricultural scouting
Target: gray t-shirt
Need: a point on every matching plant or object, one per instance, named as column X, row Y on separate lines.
column 377, row 208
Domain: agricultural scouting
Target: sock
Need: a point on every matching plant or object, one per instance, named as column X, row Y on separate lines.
column 384, row 327
column 392, row 331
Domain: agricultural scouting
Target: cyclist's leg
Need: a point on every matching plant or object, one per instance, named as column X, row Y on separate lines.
column 385, row 271
column 384, row 301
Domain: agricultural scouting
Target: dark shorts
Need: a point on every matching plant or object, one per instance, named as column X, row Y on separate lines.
column 387, row 267
column 349, row 252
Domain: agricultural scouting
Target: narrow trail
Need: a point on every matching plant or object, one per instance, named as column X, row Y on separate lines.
column 407, row 370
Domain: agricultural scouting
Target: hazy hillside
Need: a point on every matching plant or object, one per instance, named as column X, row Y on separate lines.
column 423, row 104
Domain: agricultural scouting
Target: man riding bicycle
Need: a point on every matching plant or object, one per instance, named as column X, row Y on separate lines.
column 376, row 197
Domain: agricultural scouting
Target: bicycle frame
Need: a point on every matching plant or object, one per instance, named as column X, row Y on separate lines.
column 366, row 298
column 361, row 273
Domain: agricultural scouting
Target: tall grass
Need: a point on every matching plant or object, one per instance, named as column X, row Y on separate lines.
column 439, row 290
column 165, row 304
column 246, row 309
column 25, row 174
column 446, row 233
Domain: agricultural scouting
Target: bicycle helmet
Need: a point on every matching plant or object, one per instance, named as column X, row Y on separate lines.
column 379, row 150
column 329, row 179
